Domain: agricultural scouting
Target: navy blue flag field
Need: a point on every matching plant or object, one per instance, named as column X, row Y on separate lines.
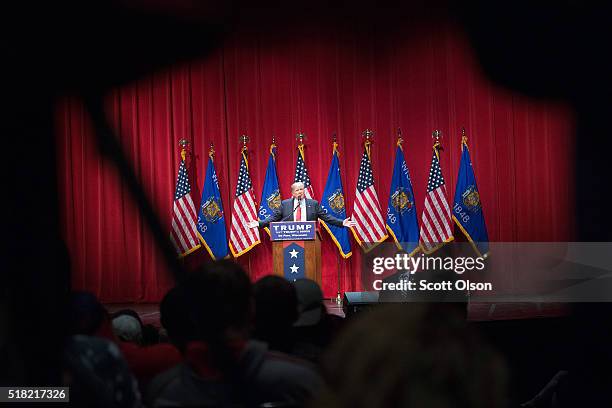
column 333, row 203
column 467, row 209
column 270, row 195
column 402, row 220
column 211, row 219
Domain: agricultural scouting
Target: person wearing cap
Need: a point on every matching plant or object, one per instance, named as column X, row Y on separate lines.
column 315, row 328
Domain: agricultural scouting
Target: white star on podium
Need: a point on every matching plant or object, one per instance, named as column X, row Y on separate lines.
column 294, row 253
column 294, row 268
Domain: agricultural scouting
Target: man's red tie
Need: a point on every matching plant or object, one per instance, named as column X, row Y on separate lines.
column 298, row 213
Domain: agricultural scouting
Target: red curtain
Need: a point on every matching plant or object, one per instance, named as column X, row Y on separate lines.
column 317, row 80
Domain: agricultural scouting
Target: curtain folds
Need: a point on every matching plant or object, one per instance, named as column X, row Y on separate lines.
column 319, row 82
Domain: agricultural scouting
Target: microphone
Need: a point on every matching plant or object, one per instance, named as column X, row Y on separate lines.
column 292, row 212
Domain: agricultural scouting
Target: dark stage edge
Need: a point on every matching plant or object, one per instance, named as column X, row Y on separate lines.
column 149, row 312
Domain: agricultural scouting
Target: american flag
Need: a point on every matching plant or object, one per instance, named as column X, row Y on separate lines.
column 436, row 218
column 243, row 238
column 184, row 235
column 301, row 173
column 370, row 229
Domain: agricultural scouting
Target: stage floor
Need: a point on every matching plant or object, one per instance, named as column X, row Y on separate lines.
column 149, row 312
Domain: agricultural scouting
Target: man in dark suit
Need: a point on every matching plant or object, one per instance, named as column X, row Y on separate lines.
column 300, row 208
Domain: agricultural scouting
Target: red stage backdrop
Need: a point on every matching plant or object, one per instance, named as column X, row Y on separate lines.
column 318, row 81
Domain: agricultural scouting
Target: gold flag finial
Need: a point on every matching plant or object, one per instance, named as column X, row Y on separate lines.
column 300, row 138
column 463, row 136
column 399, row 137
column 463, row 139
column 436, row 134
column 368, row 134
column 273, row 146
column 335, row 143
column 244, row 139
column 183, row 143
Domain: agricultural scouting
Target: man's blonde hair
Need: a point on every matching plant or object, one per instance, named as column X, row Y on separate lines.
column 296, row 184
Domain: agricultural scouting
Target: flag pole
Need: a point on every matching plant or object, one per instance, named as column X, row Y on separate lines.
column 338, row 296
column 211, row 152
column 245, row 139
column 338, row 263
column 183, row 143
column 464, row 143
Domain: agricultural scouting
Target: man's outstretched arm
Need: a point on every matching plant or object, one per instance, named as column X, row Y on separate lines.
column 330, row 219
column 276, row 216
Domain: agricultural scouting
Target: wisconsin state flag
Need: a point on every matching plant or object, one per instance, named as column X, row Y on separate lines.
column 467, row 209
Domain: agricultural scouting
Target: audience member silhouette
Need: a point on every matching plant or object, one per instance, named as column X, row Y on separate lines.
column 176, row 318
column 412, row 355
column 145, row 357
column 276, row 309
column 150, row 335
column 85, row 314
column 97, row 375
column 315, row 328
column 88, row 317
column 128, row 328
column 222, row 367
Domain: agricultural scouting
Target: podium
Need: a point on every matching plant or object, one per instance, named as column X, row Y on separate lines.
column 296, row 250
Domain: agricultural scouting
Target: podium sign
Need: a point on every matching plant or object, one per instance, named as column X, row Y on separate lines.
column 294, row 261
column 296, row 250
column 292, row 231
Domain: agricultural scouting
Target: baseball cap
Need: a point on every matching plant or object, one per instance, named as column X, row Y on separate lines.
column 310, row 302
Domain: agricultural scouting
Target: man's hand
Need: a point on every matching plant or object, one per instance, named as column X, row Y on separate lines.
column 349, row 223
column 253, row 224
